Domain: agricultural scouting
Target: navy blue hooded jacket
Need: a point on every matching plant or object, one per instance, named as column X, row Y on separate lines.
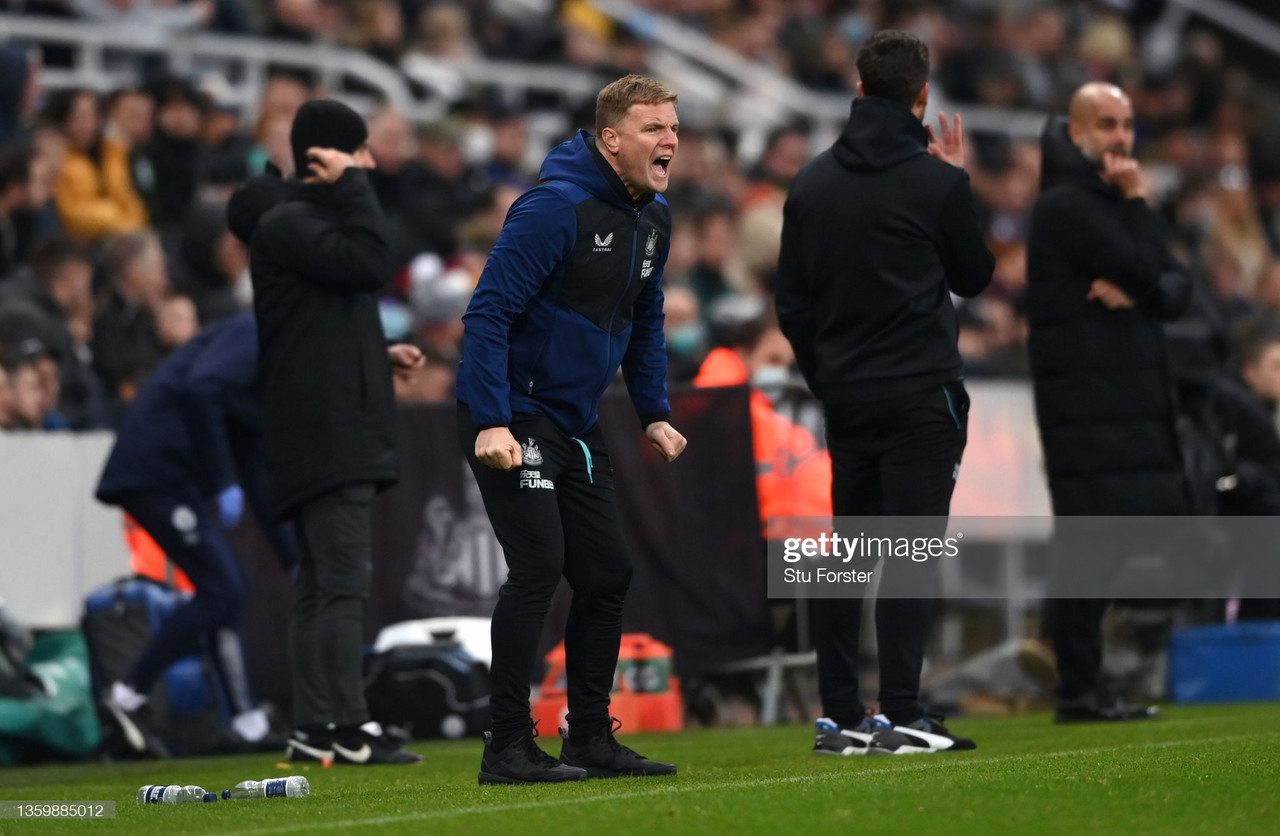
column 572, row 290
column 199, row 412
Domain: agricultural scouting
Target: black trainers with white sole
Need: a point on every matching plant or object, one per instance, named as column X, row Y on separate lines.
column 862, row 739
column 927, row 734
column 369, row 744
column 310, row 744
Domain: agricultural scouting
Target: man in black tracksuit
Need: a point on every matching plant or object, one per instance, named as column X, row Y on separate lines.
column 318, row 256
column 572, row 290
column 878, row 231
column 1100, row 284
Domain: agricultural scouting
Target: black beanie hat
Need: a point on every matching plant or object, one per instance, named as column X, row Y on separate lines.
column 324, row 123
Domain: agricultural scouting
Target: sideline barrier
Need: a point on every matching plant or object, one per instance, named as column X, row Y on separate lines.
column 691, row 526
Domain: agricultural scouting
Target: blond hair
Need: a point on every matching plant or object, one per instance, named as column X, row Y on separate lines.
column 614, row 101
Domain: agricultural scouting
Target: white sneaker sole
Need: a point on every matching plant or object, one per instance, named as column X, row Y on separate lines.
column 928, row 742
column 295, row 747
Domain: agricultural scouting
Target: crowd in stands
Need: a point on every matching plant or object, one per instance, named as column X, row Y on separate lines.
column 114, row 248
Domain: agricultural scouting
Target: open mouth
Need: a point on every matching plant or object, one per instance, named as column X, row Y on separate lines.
column 662, row 163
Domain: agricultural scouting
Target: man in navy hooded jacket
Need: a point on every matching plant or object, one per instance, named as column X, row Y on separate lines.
column 572, row 291
column 197, row 415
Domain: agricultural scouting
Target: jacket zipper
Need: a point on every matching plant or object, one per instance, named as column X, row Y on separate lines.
column 631, row 269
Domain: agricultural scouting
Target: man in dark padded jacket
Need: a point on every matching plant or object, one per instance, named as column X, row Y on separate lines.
column 1101, row 283
column 878, row 232
column 318, row 256
column 572, row 291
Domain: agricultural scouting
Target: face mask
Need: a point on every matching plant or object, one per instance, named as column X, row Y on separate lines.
column 397, row 322
column 771, row 377
column 685, row 340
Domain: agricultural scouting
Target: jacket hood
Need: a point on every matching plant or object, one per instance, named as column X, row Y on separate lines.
column 879, row 135
column 258, row 195
column 577, row 161
column 1062, row 162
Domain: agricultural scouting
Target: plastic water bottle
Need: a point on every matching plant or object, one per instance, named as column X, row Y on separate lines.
column 295, row 786
column 173, row 794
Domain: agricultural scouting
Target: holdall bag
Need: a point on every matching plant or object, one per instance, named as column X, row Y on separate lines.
column 187, row 705
column 432, row 690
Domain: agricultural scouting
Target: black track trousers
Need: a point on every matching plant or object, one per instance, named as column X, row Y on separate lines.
column 893, row 457
column 555, row 516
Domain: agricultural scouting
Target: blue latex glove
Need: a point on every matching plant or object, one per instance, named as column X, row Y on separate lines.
column 230, row 505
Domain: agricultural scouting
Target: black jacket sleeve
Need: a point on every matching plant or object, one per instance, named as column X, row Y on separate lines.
column 342, row 246
column 963, row 247
column 1130, row 254
column 794, row 300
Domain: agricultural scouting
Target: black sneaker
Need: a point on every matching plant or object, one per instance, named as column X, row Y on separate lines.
column 602, row 756
column 1098, row 707
column 928, row 734
column 367, row 744
column 310, row 744
column 862, row 739
column 522, row 761
column 135, row 729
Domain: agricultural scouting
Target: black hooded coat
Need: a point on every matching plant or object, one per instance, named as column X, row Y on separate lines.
column 318, row 255
column 1104, row 387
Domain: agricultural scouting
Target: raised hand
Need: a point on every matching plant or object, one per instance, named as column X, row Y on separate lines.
column 1125, row 174
column 327, row 164
column 950, row 148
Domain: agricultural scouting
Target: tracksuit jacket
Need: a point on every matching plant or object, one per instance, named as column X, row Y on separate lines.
column 572, row 291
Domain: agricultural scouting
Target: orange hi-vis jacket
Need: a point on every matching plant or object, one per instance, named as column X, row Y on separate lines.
column 793, row 474
column 146, row 558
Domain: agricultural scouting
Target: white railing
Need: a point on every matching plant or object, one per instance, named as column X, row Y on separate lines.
column 1240, row 21
column 756, row 95
column 718, row 85
column 241, row 61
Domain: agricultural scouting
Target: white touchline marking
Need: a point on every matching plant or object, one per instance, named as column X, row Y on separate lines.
column 920, row 763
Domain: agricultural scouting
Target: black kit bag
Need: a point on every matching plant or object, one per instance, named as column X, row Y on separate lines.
column 431, row 690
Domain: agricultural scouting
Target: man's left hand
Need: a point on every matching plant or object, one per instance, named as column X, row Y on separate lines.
column 949, row 149
column 665, row 439
column 405, row 359
column 1109, row 295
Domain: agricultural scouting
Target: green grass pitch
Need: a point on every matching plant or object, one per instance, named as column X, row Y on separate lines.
column 1202, row 770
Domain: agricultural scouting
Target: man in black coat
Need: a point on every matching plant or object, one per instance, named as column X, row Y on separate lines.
column 318, row 256
column 1101, row 282
column 878, row 231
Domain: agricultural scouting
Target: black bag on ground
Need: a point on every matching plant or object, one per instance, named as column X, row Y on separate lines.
column 432, row 690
